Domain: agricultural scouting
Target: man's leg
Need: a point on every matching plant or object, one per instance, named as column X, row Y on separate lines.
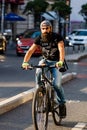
column 57, row 76
column 38, row 73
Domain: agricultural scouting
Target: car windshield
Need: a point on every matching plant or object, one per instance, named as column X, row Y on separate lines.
column 81, row 33
column 32, row 34
column 35, row 34
column 73, row 32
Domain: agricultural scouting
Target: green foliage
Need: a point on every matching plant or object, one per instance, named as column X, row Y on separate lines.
column 28, row 7
column 40, row 6
column 37, row 6
column 62, row 8
column 83, row 11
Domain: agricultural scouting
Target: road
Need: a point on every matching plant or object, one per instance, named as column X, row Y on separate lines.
column 16, row 80
column 13, row 79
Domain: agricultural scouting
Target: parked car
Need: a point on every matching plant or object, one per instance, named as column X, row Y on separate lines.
column 3, row 43
column 24, row 43
column 20, row 35
column 71, row 34
column 78, row 38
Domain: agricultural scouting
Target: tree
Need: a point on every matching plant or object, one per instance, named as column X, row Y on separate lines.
column 83, row 12
column 36, row 6
column 63, row 11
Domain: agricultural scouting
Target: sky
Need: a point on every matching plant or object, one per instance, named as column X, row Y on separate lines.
column 76, row 7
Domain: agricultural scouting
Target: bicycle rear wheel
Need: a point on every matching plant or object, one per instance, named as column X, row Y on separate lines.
column 40, row 109
column 55, row 114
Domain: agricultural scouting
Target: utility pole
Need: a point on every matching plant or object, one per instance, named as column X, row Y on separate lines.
column 68, row 19
column 2, row 16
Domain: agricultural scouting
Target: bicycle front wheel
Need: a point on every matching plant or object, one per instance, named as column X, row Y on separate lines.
column 40, row 109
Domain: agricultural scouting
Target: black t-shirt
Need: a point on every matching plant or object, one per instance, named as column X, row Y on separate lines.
column 50, row 49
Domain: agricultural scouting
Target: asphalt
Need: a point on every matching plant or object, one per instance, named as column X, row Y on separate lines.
column 19, row 99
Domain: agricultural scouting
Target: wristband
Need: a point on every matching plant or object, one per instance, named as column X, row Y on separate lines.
column 25, row 64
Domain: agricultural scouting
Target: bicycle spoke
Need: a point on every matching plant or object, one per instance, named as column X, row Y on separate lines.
column 40, row 115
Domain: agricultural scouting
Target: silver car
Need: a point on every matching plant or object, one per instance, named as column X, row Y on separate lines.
column 79, row 37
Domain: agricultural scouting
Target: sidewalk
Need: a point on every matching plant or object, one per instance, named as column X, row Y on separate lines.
column 76, row 57
column 23, row 97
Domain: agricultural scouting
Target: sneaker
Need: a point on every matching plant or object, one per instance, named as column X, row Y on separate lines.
column 62, row 110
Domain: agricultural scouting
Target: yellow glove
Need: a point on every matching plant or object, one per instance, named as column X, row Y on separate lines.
column 25, row 65
column 59, row 64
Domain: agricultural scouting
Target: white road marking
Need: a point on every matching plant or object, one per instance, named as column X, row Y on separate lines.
column 79, row 126
column 7, row 66
column 73, row 101
column 2, row 60
column 75, row 63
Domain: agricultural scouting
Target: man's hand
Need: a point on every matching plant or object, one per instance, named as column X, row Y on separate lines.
column 25, row 65
column 59, row 64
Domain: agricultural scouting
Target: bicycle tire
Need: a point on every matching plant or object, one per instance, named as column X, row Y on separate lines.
column 40, row 109
column 55, row 114
column 54, row 107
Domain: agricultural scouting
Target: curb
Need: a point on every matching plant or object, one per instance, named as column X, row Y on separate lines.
column 23, row 97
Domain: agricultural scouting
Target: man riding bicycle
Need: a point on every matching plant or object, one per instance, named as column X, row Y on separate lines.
column 53, row 52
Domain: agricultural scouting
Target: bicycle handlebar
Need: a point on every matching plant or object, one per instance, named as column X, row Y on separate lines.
column 41, row 66
column 61, row 69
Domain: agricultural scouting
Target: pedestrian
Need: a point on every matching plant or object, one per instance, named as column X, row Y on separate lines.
column 52, row 45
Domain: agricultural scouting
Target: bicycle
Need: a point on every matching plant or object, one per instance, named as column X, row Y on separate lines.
column 44, row 102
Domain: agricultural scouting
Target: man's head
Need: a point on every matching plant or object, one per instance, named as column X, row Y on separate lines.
column 45, row 23
column 46, row 30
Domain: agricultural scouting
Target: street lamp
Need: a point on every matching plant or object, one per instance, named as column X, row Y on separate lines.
column 2, row 16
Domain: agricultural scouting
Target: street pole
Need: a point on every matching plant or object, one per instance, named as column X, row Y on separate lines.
column 68, row 2
column 2, row 16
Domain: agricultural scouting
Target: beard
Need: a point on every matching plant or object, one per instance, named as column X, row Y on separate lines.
column 46, row 37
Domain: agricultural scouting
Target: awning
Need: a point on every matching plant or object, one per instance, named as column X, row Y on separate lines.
column 51, row 15
column 13, row 17
column 46, row 16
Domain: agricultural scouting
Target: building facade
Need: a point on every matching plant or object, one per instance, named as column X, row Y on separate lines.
column 75, row 19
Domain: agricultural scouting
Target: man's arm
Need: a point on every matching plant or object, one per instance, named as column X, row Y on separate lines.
column 61, row 54
column 61, row 51
column 28, row 55
column 30, row 52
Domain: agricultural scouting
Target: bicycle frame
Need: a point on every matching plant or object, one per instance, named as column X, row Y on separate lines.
column 43, row 101
column 43, row 75
column 45, row 78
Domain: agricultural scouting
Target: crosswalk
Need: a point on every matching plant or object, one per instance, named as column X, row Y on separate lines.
column 80, row 126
